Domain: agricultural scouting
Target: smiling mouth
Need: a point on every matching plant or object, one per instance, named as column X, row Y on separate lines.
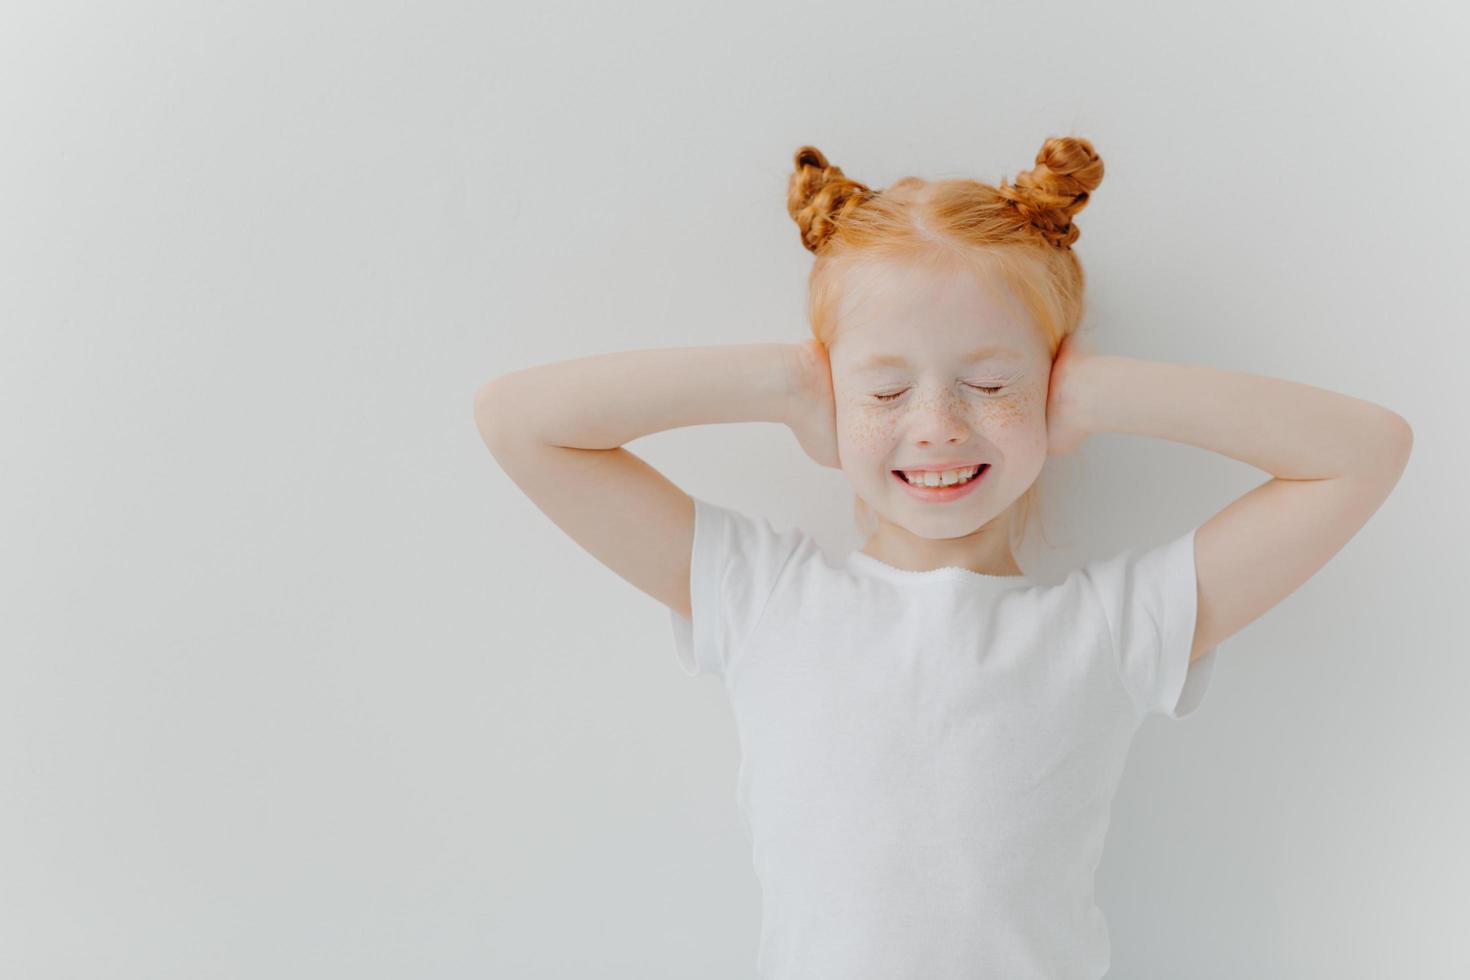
column 980, row 471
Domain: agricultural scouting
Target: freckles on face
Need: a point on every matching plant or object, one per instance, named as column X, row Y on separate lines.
column 869, row 429
column 1017, row 410
column 873, row 430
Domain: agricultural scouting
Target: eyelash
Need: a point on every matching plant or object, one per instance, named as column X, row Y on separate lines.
column 988, row 389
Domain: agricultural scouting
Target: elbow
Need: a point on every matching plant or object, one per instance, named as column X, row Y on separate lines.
column 488, row 409
column 1403, row 432
column 483, row 394
column 1399, row 442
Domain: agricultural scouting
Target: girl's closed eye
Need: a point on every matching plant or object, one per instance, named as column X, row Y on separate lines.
column 988, row 389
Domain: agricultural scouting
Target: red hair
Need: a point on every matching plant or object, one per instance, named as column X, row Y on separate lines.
column 1021, row 234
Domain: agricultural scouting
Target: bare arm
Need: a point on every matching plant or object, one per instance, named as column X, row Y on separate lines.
column 1334, row 460
column 558, row 430
column 607, row 400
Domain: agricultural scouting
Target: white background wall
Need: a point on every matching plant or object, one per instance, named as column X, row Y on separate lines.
column 295, row 683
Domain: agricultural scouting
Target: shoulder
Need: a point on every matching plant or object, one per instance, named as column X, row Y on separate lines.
column 748, row 541
column 1146, row 598
column 739, row 560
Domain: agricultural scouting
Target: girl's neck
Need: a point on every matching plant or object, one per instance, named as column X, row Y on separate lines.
column 986, row 551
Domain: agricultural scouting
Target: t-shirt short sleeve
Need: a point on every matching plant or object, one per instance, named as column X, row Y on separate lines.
column 1149, row 599
column 734, row 566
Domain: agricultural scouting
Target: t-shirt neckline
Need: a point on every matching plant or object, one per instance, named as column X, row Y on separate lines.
column 858, row 558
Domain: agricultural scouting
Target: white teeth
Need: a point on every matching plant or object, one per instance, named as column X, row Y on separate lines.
column 944, row 479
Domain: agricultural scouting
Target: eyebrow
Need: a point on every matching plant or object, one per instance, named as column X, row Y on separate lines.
column 988, row 352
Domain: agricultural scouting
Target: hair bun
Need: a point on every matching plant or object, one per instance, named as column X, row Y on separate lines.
column 1067, row 170
column 818, row 194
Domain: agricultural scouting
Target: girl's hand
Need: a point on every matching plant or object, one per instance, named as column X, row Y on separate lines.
column 811, row 410
column 1066, row 426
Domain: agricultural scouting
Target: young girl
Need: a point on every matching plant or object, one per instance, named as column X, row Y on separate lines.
column 931, row 741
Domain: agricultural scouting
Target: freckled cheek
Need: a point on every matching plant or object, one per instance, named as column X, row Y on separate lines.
column 1015, row 412
column 865, row 434
column 1019, row 420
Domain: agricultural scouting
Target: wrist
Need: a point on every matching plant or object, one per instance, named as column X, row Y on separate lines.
column 1123, row 393
column 805, row 374
column 791, row 360
column 1096, row 377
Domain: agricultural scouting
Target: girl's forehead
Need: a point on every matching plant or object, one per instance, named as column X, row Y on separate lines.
column 937, row 335
column 915, row 307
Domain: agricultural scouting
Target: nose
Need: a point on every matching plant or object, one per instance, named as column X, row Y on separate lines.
column 939, row 420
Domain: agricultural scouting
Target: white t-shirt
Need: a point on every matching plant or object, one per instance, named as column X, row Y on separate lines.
column 928, row 759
